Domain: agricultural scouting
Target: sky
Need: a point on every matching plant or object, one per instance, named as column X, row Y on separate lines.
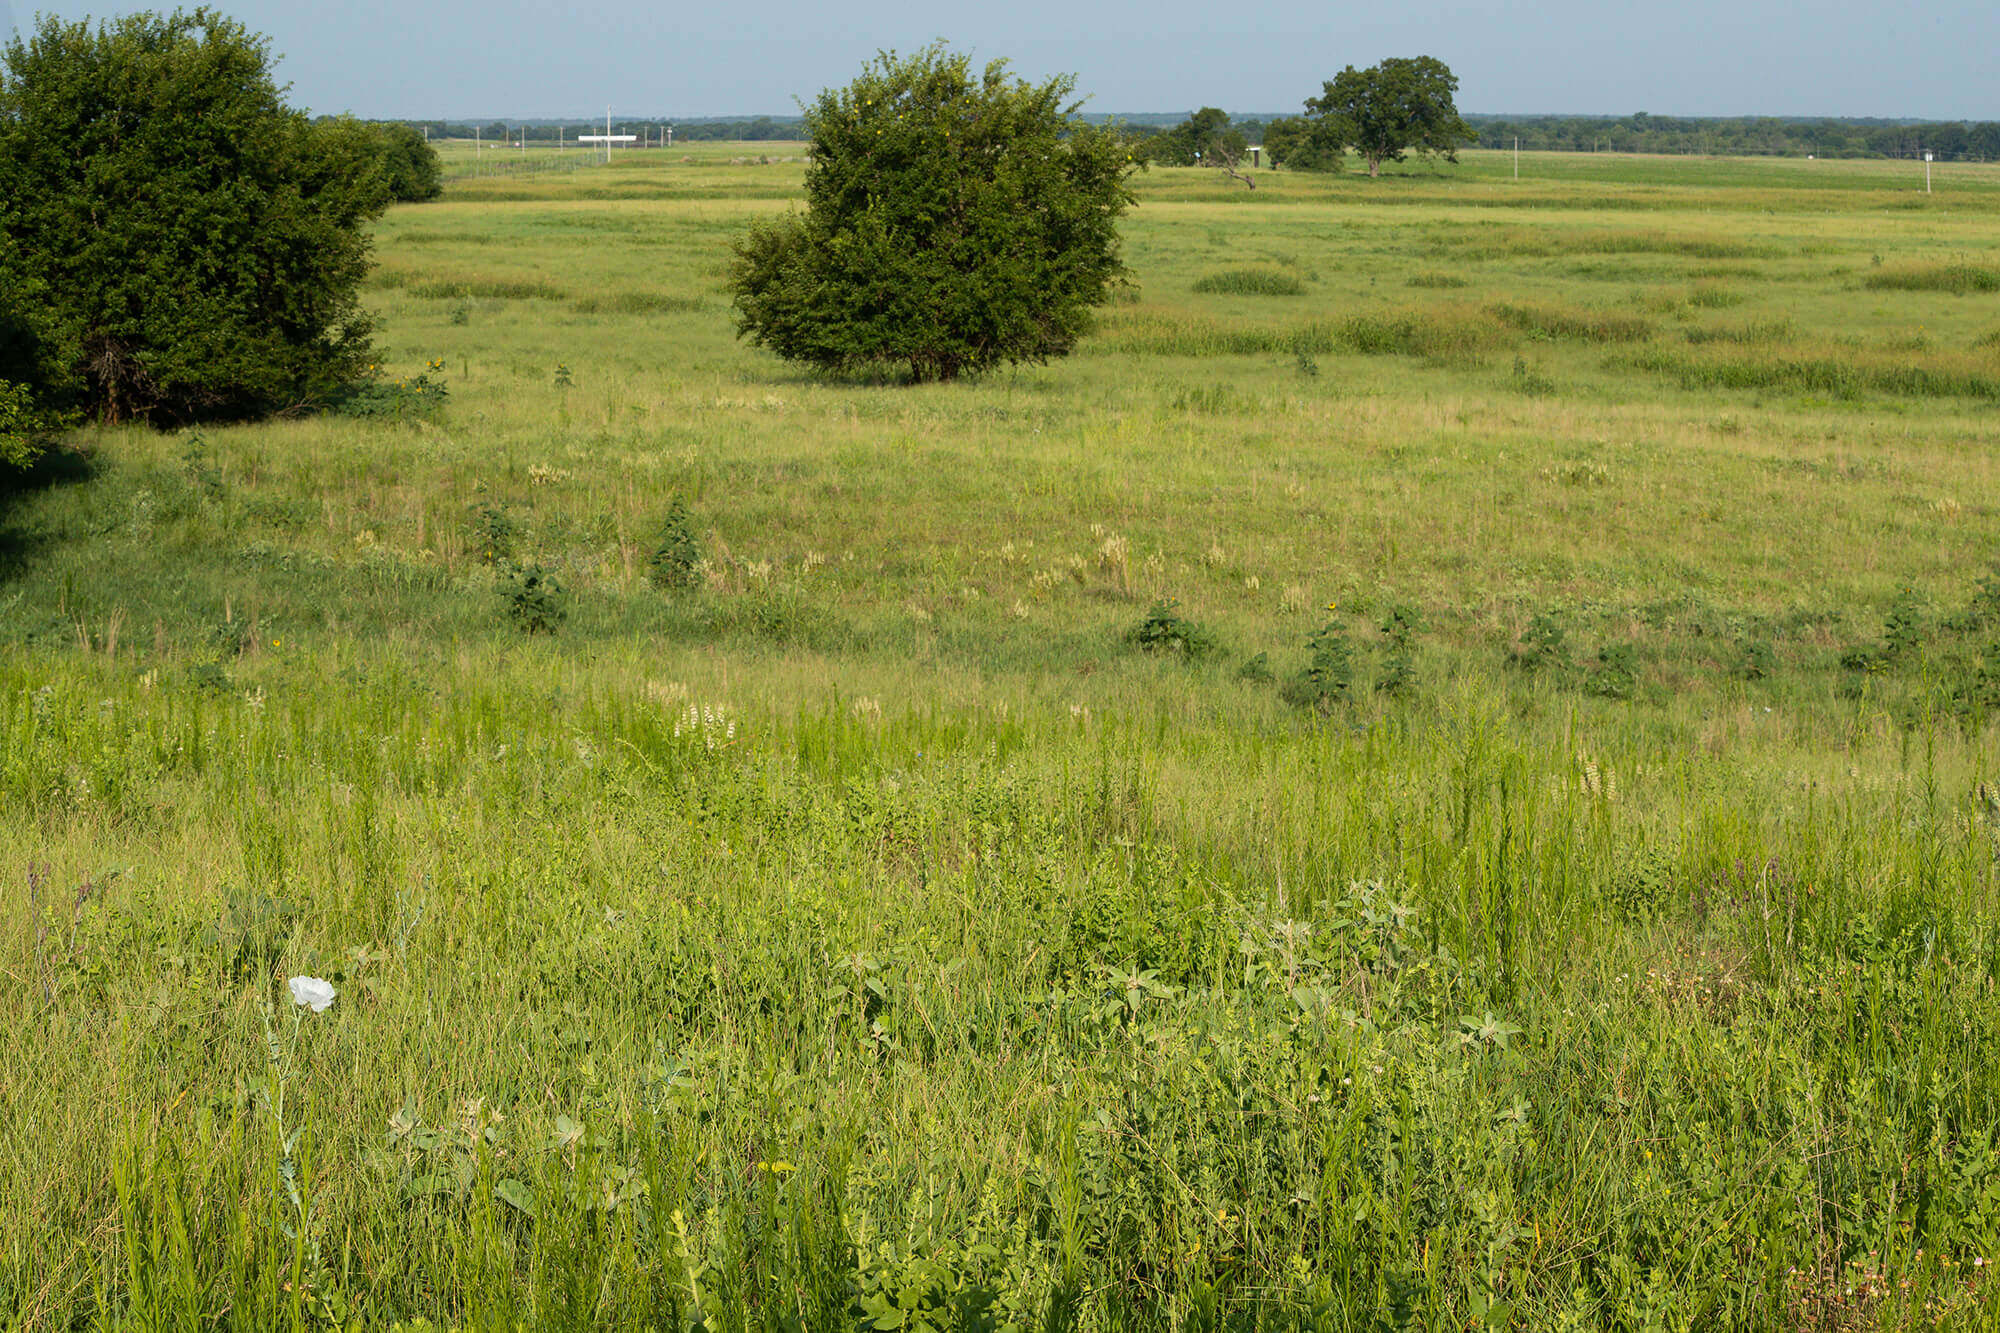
column 496, row 59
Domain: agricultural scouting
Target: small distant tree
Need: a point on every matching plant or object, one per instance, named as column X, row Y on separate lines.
column 1199, row 139
column 414, row 173
column 1402, row 105
column 1302, row 143
column 187, row 244
column 953, row 222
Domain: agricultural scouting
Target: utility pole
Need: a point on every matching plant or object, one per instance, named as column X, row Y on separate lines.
column 1517, row 157
column 1927, row 171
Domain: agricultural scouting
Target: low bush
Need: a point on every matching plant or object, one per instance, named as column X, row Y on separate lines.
column 1166, row 630
column 535, row 599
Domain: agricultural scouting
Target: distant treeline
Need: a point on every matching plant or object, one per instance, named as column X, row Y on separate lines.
column 566, row 131
column 1777, row 136
column 1951, row 141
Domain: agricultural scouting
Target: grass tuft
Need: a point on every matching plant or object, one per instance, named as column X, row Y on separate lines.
column 1249, row 282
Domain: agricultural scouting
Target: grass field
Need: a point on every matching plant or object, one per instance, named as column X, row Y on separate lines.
column 1437, row 774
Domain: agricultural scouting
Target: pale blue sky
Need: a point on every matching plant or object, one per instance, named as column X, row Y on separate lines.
column 530, row 58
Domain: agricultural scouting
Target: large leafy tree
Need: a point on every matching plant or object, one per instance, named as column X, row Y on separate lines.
column 191, row 246
column 953, row 222
column 1402, row 105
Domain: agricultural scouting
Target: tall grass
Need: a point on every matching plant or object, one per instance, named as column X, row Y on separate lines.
column 1249, row 282
column 1823, row 375
column 1593, row 326
column 1959, row 279
column 1439, row 334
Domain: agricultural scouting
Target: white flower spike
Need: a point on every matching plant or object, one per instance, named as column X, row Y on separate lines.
column 313, row 993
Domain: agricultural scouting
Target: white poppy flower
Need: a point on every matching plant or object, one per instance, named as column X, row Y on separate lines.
column 313, row 992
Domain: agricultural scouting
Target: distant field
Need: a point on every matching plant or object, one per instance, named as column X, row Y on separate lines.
column 465, row 159
column 1542, row 874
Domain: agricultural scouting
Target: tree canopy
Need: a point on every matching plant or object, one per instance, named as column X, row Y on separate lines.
column 1306, row 143
column 180, row 243
column 1202, row 137
column 414, row 173
column 1402, row 105
column 953, row 222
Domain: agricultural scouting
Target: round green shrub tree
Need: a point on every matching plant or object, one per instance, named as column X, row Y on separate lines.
column 191, row 246
column 415, row 173
column 953, row 222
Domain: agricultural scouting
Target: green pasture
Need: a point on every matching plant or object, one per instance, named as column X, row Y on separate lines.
column 1541, row 876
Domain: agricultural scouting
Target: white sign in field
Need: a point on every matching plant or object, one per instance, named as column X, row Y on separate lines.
column 607, row 138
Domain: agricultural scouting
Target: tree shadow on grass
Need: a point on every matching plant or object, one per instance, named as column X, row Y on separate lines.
column 19, row 545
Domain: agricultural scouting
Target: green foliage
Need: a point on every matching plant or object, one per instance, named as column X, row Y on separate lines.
column 408, row 396
column 1306, row 143
column 1906, row 627
column 496, row 532
column 677, row 556
column 1400, row 626
column 1544, row 645
column 1402, row 105
column 1201, row 139
column 196, row 247
column 1757, row 660
column 1329, row 671
column 23, row 428
column 1642, row 881
column 953, row 223
column 410, row 165
column 1977, row 692
column 535, row 599
column 1616, row 674
column 1166, row 630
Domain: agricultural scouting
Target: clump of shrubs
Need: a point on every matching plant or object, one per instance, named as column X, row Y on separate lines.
column 1543, row 646
column 535, row 599
column 1616, row 675
column 413, row 396
column 1328, row 673
column 1166, row 630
